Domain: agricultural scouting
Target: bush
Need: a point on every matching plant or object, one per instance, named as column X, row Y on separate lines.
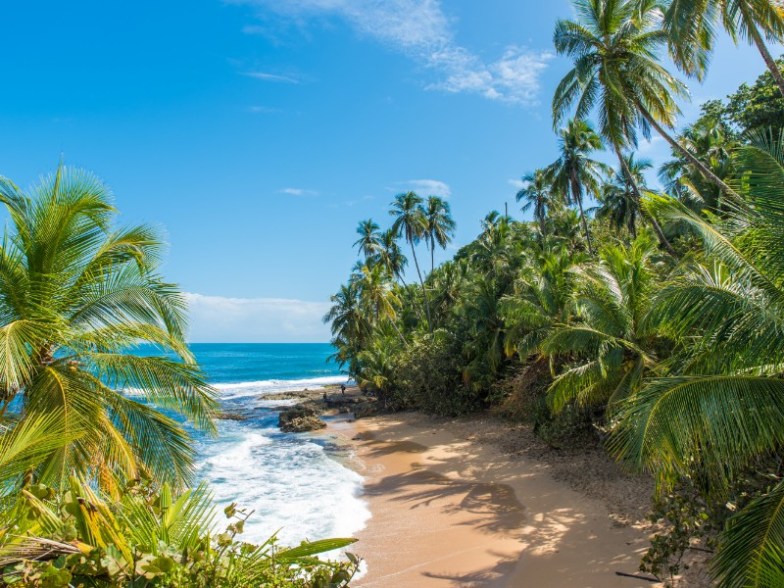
column 141, row 539
column 429, row 377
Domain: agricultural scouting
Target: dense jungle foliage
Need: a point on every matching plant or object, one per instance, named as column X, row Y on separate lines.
column 649, row 312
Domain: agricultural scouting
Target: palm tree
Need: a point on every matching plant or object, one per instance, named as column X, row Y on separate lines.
column 615, row 44
column 439, row 226
column 390, row 255
column 541, row 301
column 714, row 142
column 618, row 201
column 410, row 223
column 76, row 295
column 537, row 194
column 349, row 324
column 690, row 28
column 369, row 242
column 608, row 341
column 724, row 408
column 377, row 295
column 574, row 173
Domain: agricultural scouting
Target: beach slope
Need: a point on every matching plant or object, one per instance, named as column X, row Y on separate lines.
column 452, row 506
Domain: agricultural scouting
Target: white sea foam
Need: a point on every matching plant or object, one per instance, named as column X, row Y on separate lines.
column 290, row 482
column 244, row 389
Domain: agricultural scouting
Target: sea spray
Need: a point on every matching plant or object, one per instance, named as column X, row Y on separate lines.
column 292, row 483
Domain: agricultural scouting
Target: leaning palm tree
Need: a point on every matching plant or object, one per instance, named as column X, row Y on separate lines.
column 410, row 223
column 618, row 74
column 77, row 297
column 369, row 242
column 439, row 226
column 691, row 27
column 538, row 194
column 723, row 408
column 574, row 173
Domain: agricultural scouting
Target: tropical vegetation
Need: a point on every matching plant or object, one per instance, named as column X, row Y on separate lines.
column 649, row 319
column 95, row 461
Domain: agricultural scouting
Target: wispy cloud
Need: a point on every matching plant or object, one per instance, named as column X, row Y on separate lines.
column 271, row 77
column 426, row 187
column 423, row 31
column 299, row 192
column 516, row 183
column 218, row 319
column 263, row 110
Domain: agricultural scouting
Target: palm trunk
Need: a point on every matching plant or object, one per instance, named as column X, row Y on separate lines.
column 399, row 332
column 422, row 282
column 703, row 169
column 636, row 191
column 578, row 197
column 432, row 256
column 761, row 47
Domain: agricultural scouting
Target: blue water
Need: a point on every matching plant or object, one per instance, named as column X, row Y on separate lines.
column 294, row 483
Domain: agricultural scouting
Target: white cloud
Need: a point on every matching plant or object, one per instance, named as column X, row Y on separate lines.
column 429, row 187
column 421, row 30
column 517, row 184
column 263, row 110
column 299, row 192
column 271, row 77
column 216, row 319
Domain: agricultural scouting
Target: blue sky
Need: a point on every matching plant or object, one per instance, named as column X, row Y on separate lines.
column 257, row 133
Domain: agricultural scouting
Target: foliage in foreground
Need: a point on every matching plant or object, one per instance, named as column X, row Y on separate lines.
column 77, row 297
column 148, row 538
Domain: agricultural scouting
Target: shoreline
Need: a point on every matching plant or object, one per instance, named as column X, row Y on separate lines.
column 451, row 506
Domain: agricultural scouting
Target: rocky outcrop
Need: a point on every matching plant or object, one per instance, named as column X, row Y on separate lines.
column 299, row 419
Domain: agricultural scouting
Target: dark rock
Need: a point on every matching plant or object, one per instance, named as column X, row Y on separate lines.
column 231, row 416
column 299, row 419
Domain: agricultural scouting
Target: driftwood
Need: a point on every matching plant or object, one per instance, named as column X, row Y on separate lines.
column 638, row 577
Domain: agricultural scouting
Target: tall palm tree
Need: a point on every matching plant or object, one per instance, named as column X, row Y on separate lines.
column 76, row 296
column 537, row 194
column 725, row 407
column 369, row 242
column 574, row 173
column 390, row 255
column 617, row 72
column 690, row 26
column 618, row 202
column 439, row 225
column 411, row 224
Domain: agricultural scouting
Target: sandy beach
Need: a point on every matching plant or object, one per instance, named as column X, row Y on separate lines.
column 478, row 503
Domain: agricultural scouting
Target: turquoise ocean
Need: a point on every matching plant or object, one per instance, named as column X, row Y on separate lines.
column 297, row 485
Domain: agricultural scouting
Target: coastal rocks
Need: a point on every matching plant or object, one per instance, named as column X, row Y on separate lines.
column 299, row 419
column 231, row 416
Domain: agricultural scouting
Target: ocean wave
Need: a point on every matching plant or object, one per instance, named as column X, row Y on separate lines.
column 291, row 484
column 229, row 390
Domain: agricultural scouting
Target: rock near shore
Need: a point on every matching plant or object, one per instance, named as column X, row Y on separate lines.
column 299, row 419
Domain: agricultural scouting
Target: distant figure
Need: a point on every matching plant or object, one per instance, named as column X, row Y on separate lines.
column 342, row 388
column 325, row 394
